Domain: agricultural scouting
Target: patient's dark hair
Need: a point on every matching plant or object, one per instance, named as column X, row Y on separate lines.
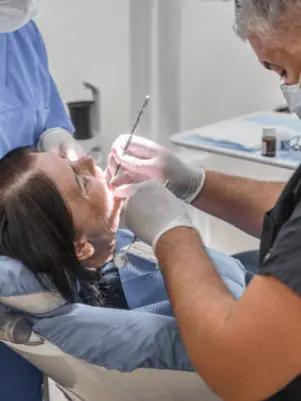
column 36, row 226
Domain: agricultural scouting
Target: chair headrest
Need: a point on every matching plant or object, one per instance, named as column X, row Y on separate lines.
column 21, row 291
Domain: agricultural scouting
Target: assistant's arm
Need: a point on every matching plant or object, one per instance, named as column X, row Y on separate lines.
column 239, row 201
column 56, row 135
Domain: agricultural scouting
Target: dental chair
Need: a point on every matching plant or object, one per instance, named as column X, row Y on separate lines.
column 250, row 260
column 102, row 354
column 82, row 381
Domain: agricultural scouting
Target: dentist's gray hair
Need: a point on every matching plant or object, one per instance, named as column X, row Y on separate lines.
column 267, row 17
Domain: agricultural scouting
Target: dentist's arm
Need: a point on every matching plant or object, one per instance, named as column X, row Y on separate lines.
column 237, row 347
column 239, row 201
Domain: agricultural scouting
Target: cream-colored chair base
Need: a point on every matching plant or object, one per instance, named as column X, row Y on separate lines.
column 82, row 381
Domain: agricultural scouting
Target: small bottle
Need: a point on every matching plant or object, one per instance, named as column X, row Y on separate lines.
column 269, row 142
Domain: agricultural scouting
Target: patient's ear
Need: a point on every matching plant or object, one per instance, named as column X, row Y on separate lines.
column 84, row 249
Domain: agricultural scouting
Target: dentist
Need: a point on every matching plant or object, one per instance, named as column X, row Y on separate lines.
column 31, row 114
column 247, row 349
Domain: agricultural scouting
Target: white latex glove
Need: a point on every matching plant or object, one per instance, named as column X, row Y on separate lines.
column 145, row 160
column 151, row 210
column 60, row 141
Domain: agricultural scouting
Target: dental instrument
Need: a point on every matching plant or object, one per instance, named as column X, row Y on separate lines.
column 121, row 259
column 134, row 129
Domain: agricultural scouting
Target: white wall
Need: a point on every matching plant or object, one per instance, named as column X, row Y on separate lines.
column 155, row 27
column 221, row 76
column 89, row 40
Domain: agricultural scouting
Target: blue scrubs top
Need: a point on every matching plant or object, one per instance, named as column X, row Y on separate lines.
column 29, row 105
column 29, row 100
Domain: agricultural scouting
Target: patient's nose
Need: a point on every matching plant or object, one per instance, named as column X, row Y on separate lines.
column 86, row 165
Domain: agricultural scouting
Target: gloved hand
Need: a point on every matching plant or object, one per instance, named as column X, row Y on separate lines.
column 60, row 141
column 145, row 160
column 151, row 210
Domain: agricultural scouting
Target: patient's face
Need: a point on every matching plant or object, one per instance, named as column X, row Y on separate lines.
column 82, row 185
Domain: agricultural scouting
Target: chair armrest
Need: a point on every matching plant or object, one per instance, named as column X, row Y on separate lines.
column 14, row 328
column 250, row 260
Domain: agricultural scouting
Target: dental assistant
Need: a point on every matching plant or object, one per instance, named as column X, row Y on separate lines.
column 31, row 114
column 247, row 349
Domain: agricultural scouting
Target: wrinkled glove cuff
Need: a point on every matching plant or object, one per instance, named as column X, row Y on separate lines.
column 195, row 187
column 181, row 221
column 51, row 137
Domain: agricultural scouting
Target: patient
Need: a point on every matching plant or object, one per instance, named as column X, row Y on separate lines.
column 61, row 220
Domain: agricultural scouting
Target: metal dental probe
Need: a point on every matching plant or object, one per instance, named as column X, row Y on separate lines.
column 134, row 129
column 120, row 260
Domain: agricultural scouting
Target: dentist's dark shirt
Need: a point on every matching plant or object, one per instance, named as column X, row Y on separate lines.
column 280, row 254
